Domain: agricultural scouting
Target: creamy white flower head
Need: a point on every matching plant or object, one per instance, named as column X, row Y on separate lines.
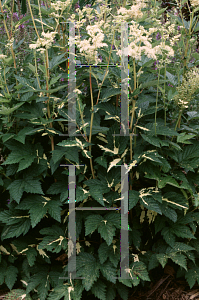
column 77, row 91
column 41, row 50
column 194, row 3
column 2, row 56
column 33, row 46
column 59, row 5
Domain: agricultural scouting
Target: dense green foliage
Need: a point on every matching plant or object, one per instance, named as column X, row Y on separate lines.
column 162, row 158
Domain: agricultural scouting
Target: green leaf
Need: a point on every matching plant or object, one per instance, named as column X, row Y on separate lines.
column 182, row 231
column 16, row 189
column 110, row 92
column 70, row 154
column 57, row 60
column 133, row 198
column 178, row 246
column 11, row 276
column 151, row 83
column 54, row 209
column 111, row 292
column 168, row 236
column 92, row 222
column 22, row 227
column 162, row 181
column 103, row 252
column 179, row 259
column 54, row 80
column 169, row 212
column 58, row 293
column 151, row 139
column 162, row 258
column 183, row 138
column 31, row 254
column 8, row 111
column 101, row 160
column 191, row 276
column 150, row 204
column 108, row 271
column 139, row 269
column 107, row 231
column 123, row 291
column 99, row 290
column 153, row 262
column 87, row 267
column 96, row 189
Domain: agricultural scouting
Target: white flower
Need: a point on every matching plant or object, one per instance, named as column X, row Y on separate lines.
column 77, row 91
column 87, row 243
column 194, row 2
column 2, row 56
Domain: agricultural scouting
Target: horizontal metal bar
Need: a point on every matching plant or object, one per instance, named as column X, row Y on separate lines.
column 98, row 208
column 71, row 165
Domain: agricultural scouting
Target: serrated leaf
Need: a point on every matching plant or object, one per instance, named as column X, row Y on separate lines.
column 99, row 290
column 103, row 252
column 31, row 254
column 179, row 259
column 139, row 269
column 151, row 204
column 169, row 212
column 11, row 276
column 108, row 271
column 133, row 198
column 111, row 293
column 151, row 139
column 168, row 236
column 123, row 291
column 110, row 92
column 182, row 231
column 178, row 246
column 107, row 231
column 8, row 111
column 92, row 222
column 191, row 276
column 153, row 262
column 87, row 267
column 101, row 161
column 22, row 227
column 167, row 180
column 162, row 258
column 54, row 209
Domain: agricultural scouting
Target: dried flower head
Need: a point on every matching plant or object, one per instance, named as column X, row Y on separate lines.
column 187, row 89
column 45, row 42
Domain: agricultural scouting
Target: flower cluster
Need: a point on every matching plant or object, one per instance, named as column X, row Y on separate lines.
column 134, row 12
column 137, row 36
column 44, row 42
column 59, row 5
column 2, row 56
column 94, row 42
column 194, row 3
column 187, row 88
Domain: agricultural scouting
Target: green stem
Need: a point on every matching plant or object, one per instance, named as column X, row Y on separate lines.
column 165, row 114
column 91, row 125
column 5, row 79
column 106, row 69
column 156, row 105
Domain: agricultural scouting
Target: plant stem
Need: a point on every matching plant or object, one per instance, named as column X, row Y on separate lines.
column 5, row 80
column 106, row 69
column 48, row 95
column 156, row 105
column 33, row 20
column 92, row 116
column 165, row 114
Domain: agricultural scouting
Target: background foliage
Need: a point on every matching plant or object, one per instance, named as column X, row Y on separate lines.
column 162, row 158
